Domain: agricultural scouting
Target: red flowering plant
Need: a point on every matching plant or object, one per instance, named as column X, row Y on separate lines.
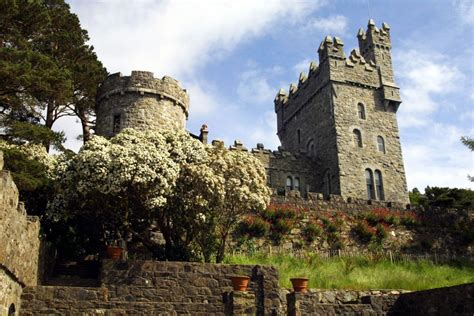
column 253, row 226
column 282, row 218
column 386, row 216
column 365, row 232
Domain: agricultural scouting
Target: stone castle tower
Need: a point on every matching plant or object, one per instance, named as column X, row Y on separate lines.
column 342, row 114
column 337, row 126
column 140, row 101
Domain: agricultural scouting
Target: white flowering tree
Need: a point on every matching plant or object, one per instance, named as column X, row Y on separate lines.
column 243, row 190
column 138, row 182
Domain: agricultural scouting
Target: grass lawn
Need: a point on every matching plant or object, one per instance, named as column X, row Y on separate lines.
column 361, row 273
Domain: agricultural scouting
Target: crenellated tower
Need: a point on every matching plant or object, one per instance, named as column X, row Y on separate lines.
column 140, row 101
column 342, row 115
column 375, row 45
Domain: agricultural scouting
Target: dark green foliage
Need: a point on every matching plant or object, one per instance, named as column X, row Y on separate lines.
column 254, row 227
column 450, row 197
column 417, row 199
column 45, row 64
column 18, row 132
column 381, row 232
column 311, row 231
column 364, row 231
column 31, row 179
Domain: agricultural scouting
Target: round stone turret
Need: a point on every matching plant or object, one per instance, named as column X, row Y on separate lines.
column 140, row 101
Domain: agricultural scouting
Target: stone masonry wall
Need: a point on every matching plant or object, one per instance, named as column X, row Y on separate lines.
column 19, row 243
column 10, row 292
column 353, row 160
column 140, row 101
column 282, row 164
column 159, row 288
column 197, row 283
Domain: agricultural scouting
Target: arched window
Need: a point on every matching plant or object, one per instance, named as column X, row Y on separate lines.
column 379, row 185
column 116, row 126
column 298, row 132
column 357, row 138
column 380, row 144
column 11, row 310
column 369, row 180
column 310, row 148
column 297, row 184
column 327, row 183
column 361, row 111
column 289, row 183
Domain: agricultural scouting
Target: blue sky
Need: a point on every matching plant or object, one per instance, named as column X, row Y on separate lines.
column 233, row 56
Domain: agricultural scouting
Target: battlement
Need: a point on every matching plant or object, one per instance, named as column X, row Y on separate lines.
column 374, row 36
column 144, row 82
column 369, row 66
column 331, row 47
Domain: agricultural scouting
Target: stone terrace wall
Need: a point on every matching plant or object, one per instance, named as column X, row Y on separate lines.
column 159, row 288
column 19, row 244
column 187, row 282
column 336, row 203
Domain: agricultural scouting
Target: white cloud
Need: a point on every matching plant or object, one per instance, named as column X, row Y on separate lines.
column 71, row 127
column 336, row 24
column 302, row 66
column 424, row 79
column 254, row 88
column 265, row 131
column 178, row 38
column 203, row 98
column 465, row 10
column 436, row 157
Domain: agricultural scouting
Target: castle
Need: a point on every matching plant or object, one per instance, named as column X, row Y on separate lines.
column 337, row 126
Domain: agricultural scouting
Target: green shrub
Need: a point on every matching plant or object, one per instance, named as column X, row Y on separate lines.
column 253, row 227
column 311, row 231
column 365, row 232
column 381, row 232
column 408, row 219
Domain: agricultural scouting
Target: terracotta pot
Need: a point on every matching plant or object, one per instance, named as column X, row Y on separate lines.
column 300, row 284
column 114, row 253
column 240, row 282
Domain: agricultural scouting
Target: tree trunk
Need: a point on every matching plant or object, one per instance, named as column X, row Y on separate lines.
column 86, row 129
column 221, row 251
column 49, row 122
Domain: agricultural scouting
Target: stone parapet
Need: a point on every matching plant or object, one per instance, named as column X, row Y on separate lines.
column 142, row 82
column 142, row 102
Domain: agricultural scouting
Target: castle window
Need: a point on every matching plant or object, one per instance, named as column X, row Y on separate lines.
column 379, row 185
column 380, row 144
column 289, row 183
column 369, row 180
column 11, row 310
column 116, row 126
column 269, row 177
column 357, row 137
column 361, row 111
column 297, row 184
column 310, row 148
column 298, row 132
